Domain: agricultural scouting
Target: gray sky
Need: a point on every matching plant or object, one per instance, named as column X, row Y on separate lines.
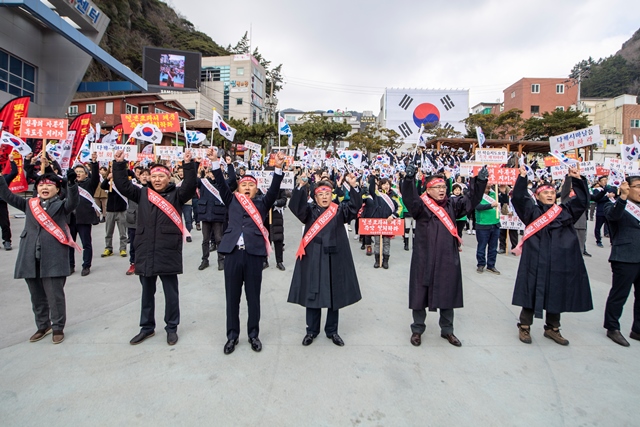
column 342, row 54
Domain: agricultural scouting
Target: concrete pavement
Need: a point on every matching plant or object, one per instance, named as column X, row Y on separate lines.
column 96, row 378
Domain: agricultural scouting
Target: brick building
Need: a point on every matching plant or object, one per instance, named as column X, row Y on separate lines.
column 535, row 96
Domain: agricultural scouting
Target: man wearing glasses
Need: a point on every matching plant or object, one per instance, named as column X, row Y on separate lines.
column 623, row 216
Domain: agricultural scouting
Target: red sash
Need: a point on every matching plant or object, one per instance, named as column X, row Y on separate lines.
column 50, row 225
column 538, row 225
column 253, row 212
column 168, row 209
column 316, row 227
column 388, row 201
column 442, row 215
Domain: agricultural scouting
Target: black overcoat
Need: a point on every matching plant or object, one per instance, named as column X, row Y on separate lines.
column 54, row 256
column 326, row 275
column 158, row 242
column 85, row 214
column 552, row 275
column 435, row 278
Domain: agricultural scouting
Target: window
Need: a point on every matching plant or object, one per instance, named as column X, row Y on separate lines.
column 560, row 88
column 73, row 110
column 535, row 88
column 238, row 101
column 91, row 108
column 587, row 109
column 159, row 111
column 635, row 123
column 560, row 108
column 144, row 110
column 131, row 109
column 513, row 94
column 16, row 76
column 108, row 108
column 240, row 71
column 535, row 109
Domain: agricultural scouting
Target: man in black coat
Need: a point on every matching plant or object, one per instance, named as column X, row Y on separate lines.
column 601, row 194
column 85, row 215
column 159, row 238
column 435, row 279
column 275, row 222
column 245, row 245
column 551, row 274
column 116, row 214
column 624, row 224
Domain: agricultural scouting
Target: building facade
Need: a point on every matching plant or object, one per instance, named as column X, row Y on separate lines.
column 619, row 121
column 535, row 96
column 488, row 108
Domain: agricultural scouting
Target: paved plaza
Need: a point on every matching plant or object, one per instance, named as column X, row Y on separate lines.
column 95, row 378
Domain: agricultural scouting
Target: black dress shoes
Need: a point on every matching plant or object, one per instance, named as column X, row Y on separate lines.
column 416, row 339
column 280, row 266
column 634, row 336
column 452, row 339
column 141, row 337
column 256, row 345
column 204, row 264
column 172, row 338
column 336, row 340
column 308, row 339
column 230, row 346
column 617, row 338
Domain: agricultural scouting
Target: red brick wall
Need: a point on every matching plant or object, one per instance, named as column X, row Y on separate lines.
column 547, row 100
column 630, row 112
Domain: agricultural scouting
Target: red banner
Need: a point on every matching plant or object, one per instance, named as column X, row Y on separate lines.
column 379, row 226
column 166, row 122
column 81, row 126
column 553, row 161
column 499, row 175
column 19, row 184
column 601, row 171
column 118, row 128
column 44, row 128
column 10, row 115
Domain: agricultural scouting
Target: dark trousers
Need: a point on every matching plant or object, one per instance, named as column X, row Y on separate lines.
column 600, row 221
column 487, row 246
column 187, row 211
column 194, row 205
column 211, row 230
column 5, row 225
column 624, row 275
column 459, row 225
column 241, row 268
column 131, row 232
column 279, row 249
column 84, row 231
column 526, row 318
column 313, row 322
column 48, row 301
column 171, row 302
column 420, row 316
column 513, row 239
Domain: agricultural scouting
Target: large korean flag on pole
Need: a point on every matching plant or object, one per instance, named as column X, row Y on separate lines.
column 224, row 129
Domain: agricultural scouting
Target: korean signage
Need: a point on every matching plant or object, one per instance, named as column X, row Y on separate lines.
column 105, row 152
column 380, row 227
column 252, row 146
column 499, row 175
column 588, row 168
column 553, row 161
column 559, row 172
column 44, row 128
column 488, row 155
column 265, row 177
column 166, row 122
column 169, row 152
column 87, row 9
column 576, row 139
column 511, row 222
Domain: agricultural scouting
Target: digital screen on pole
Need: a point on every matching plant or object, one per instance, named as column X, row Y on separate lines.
column 171, row 69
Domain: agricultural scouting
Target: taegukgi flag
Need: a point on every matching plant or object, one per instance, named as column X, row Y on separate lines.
column 284, row 129
column 480, row 134
column 18, row 144
column 224, row 129
column 147, row 132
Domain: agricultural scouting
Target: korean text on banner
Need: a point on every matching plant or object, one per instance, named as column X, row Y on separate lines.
column 252, row 146
column 576, row 139
column 44, row 128
column 499, row 175
column 105, row 152
column 166, row 122
column 559, row 172
column 380, row 227
column 264, row 179
column 488, row 155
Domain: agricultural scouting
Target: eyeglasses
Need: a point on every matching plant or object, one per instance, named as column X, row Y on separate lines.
column 439, row 187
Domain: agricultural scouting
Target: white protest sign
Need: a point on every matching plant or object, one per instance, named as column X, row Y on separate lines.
column 265, row 177
column 491, row 155
column 199, row 152
column 466, row 169
column 511, row 222
column 559, row 172
column 631, row 168
column 103, row 151
column 130, row 152
column 611, row 163
column 252, row 146
column 576, row 139
column 67, row 147
column 588, row 168
column 169, row 152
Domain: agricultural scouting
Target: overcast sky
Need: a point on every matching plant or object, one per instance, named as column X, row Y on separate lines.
column 342, row 54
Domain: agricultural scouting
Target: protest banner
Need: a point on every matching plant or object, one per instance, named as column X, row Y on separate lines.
column 169, row 152
column 511, row 222
column 44, row 128
column 588, row 168
column 166, row 122
column 264, row 179
column 554, row 161
column 499, row 175
column 252, row 146
column 559, row 172
column 576, row 139
column 491, row 155
column 380, row 227
column 105, row 152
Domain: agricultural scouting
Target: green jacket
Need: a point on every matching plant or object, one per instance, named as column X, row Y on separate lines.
column 487, row 215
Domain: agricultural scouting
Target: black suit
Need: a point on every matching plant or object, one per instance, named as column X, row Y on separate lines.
column 625, row 264
column 244, row 266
